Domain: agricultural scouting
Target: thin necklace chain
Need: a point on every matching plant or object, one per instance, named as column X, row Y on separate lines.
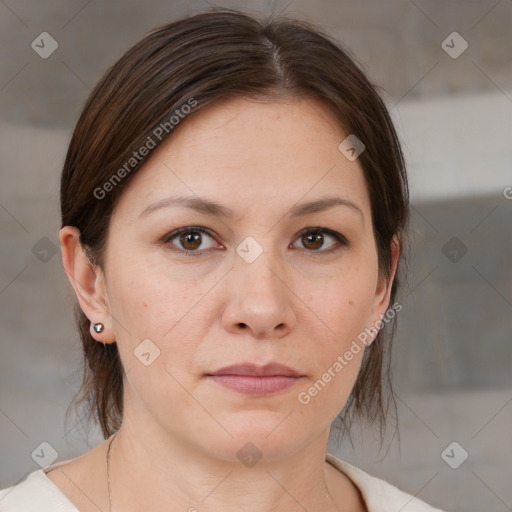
column 108, row 473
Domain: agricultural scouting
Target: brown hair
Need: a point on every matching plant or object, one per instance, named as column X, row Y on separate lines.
column 213, row 55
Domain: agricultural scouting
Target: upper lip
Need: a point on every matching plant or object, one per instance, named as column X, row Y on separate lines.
column 258, row 371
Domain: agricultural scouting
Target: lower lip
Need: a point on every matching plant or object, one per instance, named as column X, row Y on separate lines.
column 253, row 385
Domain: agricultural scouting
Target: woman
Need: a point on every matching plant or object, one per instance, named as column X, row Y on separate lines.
column 234, row 202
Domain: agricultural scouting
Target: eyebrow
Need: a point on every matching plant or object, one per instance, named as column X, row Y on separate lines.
column 209, row 207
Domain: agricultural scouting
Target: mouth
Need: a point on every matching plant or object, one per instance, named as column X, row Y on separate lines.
column 255, row 380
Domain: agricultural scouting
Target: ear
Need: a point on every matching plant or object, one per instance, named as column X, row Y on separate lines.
column 383, row 290
column 88, row 282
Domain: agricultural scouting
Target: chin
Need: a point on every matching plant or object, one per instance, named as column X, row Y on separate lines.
column 265, row 440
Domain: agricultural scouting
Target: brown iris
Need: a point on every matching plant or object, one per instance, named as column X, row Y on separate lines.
column 314, row 238
column 191, row 240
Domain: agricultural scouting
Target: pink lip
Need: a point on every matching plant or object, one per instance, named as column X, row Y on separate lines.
column 269, row 369
column 256, row 380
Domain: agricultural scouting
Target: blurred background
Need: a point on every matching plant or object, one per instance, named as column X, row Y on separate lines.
column 445, row 71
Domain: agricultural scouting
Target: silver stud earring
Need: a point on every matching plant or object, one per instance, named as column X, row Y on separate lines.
column 99, row 327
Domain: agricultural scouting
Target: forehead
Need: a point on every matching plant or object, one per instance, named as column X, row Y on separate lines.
column 249, row 129
column 250, row 154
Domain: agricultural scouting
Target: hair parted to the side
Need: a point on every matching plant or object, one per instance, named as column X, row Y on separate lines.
column 206, row 57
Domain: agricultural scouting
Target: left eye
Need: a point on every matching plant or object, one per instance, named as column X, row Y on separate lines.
column 314, row 238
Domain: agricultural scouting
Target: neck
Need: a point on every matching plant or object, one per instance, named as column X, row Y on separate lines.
column 154, row 473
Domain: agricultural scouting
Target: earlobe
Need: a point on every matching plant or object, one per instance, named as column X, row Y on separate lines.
column 88, row 283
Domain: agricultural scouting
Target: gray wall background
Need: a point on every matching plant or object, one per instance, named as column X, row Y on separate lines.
column 452, row 355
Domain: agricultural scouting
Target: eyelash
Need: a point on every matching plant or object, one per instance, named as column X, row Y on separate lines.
column 341, row 240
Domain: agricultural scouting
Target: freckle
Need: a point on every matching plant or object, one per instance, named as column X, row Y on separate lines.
column 145, row 305
column 351, row 302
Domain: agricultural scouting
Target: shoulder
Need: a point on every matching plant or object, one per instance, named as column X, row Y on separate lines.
column 379, row 495
column 35, row 493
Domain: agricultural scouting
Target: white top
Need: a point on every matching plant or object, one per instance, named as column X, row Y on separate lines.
column 37, row 493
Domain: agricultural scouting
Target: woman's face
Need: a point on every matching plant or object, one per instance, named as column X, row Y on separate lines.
column 258, row 285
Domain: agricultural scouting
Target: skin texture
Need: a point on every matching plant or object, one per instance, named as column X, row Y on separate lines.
column 295, row 304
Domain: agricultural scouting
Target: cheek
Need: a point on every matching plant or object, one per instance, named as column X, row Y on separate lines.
column 345, row 300
column 326, row 393
column 157, row 335
column 170, row 312
column 146, row 302
column 342, row 306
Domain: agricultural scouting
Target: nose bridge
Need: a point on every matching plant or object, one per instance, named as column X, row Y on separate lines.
column 259, row 276
column 257, row 273
column 260, row 299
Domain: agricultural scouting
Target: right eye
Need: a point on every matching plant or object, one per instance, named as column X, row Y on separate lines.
column 190, row 239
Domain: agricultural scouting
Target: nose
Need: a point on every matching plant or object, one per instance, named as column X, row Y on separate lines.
column 260, row 301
